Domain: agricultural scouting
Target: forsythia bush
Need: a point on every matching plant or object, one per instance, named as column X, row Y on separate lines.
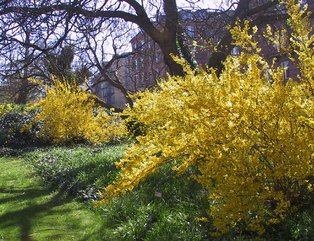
column 6, row 108
column 69, row 113
column 247, row 137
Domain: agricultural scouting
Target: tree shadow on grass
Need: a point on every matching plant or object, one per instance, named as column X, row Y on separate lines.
column 23, row 217
column 21, row 194
column 26, row 205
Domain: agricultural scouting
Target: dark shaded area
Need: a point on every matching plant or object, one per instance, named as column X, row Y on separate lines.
column 14, row 132
column 78, row 178
column 23, row 217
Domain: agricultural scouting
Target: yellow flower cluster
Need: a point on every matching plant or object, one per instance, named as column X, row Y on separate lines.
column 6, row 108
column 249, row 136
column 69, row 113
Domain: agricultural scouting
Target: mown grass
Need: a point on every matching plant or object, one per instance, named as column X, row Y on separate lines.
column 32, row 211
column 164, row 207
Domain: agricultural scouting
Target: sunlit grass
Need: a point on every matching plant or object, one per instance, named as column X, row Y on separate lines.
column 31, row 211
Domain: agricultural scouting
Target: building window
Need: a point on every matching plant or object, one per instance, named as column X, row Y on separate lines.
column 142, row 42
column 281, row 9
column 235, row 51
column 141, row 63
column 190, row 31
column 280, row 41
column 108, row 93
column 156, row 57
column 285, row 66
column 103, row 85
column 136, row 65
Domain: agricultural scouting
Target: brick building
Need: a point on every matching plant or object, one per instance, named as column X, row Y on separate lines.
column 146, row 66
column 271, row 53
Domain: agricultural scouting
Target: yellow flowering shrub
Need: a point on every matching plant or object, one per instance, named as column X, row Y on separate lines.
column 6, row 108
column 68, row 113
column 247, row 137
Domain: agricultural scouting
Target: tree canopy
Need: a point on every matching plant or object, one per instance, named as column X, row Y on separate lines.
column 31, row 30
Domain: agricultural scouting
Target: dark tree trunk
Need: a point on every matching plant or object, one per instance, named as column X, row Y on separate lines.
column 169, row 49
column 24, row 87
column 23, row 91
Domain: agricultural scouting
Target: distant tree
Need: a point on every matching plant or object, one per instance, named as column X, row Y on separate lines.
column 20, row 66
column 60, row 66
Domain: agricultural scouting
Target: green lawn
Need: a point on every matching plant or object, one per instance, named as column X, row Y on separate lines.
column 30, row 211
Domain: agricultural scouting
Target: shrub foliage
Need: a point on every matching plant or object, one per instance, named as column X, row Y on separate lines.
column 244, row 135
column 12, row 120
column 68, row 113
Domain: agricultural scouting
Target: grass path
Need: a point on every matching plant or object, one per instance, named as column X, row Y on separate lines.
column 30, row 211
